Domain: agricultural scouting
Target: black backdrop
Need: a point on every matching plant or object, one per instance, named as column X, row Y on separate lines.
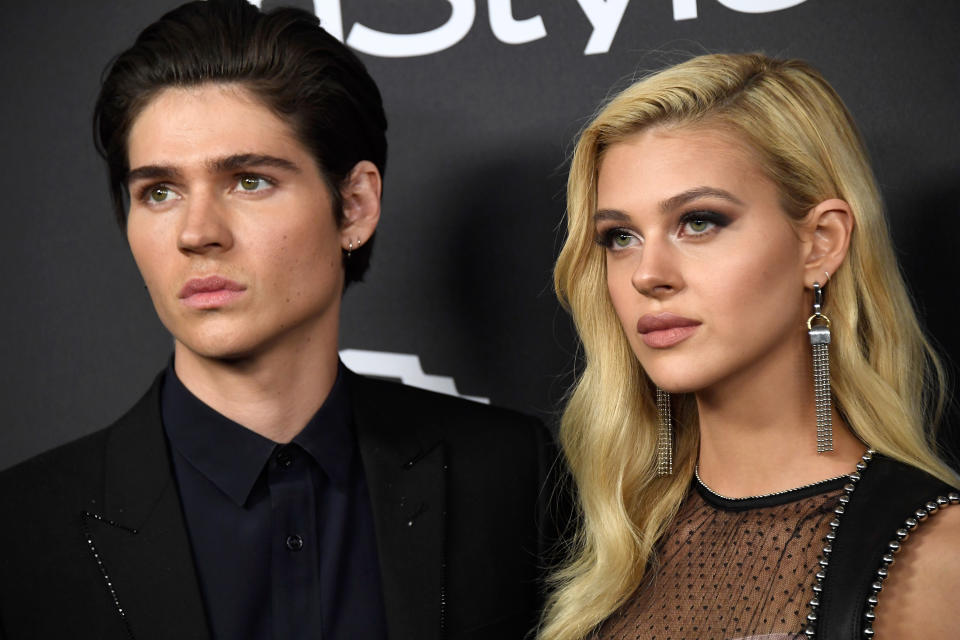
column 479, row 135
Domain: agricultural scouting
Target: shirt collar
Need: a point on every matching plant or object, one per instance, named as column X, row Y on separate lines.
column 329, row 437
column 233, row 457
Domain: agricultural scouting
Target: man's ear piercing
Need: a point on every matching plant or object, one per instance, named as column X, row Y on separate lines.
column 350, row 247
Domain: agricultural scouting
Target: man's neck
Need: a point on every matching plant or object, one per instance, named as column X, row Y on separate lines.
column 273, row 394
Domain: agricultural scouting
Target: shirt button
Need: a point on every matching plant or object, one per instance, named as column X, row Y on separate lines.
column 284, row 459
column 294, row 542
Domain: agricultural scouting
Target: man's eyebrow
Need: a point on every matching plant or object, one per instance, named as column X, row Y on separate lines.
column 218, row 165
column 243, row 160
column 677, row 201
column 153, row 172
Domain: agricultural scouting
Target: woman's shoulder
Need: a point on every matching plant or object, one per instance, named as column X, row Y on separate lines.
column 889, row 506
column 921, row 595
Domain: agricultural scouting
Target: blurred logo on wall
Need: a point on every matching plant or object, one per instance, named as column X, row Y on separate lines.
column 402, row 367
column 604, row 16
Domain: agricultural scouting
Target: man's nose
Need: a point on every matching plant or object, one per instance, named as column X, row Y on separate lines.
column 205, row 225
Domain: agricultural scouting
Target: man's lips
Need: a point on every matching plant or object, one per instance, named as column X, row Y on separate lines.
column 661, row 330
column 210, row 292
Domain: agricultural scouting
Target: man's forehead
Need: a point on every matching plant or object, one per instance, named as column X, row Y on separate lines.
column 214, row 126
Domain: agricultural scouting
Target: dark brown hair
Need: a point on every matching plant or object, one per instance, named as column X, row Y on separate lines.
column 283, row 57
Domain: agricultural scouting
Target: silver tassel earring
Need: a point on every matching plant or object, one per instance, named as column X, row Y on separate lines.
column 820, row 343
column 664, row 435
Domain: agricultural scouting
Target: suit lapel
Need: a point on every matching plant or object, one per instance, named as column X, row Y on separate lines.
column 404, row 462
column 140, row 540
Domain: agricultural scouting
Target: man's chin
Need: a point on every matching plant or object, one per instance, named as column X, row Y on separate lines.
column 225, row 349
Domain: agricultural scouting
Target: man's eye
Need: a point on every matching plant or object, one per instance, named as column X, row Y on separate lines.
column 252, row 183
column 159, row 194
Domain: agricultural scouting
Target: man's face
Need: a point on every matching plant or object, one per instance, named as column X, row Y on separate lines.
column 231, row 225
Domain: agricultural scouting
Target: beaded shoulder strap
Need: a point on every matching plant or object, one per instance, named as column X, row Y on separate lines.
column 889, row 500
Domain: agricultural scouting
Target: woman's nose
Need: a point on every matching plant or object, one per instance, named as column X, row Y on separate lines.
column 657, row 274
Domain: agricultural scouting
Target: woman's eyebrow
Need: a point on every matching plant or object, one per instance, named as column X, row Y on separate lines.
column 672, row 203
column 610, row 214
column 677, row 201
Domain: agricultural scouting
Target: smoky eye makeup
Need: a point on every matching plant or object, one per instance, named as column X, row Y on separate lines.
column 702, row 221
column 614, row 238
column 693, row 224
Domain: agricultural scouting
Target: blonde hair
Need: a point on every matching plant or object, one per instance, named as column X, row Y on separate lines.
column 887, row 381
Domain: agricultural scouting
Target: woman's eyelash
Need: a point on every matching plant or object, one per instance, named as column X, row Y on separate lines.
column 713, row 217
column 606, row 237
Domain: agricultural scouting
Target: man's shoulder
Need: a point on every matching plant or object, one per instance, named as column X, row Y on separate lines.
column 73, row 468
column 68, row 458
column 60, row 475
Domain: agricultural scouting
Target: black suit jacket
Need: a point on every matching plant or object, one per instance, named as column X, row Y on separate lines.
column 93, row 542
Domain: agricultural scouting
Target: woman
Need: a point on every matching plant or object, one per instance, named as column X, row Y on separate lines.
column 749, row 346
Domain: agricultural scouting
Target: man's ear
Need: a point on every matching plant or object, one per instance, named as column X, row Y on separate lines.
column 360, row 194
column 827, row 232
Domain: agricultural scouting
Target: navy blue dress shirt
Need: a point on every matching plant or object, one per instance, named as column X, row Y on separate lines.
column 282, row 535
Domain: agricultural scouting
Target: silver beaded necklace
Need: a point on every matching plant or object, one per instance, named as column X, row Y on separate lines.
column 696, row 473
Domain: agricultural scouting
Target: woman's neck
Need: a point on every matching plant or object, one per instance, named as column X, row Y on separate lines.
column 758, row 433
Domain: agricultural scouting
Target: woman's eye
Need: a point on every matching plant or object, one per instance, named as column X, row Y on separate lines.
column 621, row 240
column 616, row 239
column 698, row 225
column 252, row 183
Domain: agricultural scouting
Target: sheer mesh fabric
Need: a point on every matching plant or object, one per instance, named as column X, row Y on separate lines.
column 732, row 569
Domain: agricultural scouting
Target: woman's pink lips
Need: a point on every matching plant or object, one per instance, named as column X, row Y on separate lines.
column 662, row 330
column 210, row 292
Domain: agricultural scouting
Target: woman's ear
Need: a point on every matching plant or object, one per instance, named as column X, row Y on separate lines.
column 360, row 194
column 826, row 237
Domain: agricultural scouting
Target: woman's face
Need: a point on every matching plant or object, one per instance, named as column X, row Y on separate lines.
column 704, row 268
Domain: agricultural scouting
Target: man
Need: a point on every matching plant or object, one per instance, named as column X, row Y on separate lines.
column 259, row 489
